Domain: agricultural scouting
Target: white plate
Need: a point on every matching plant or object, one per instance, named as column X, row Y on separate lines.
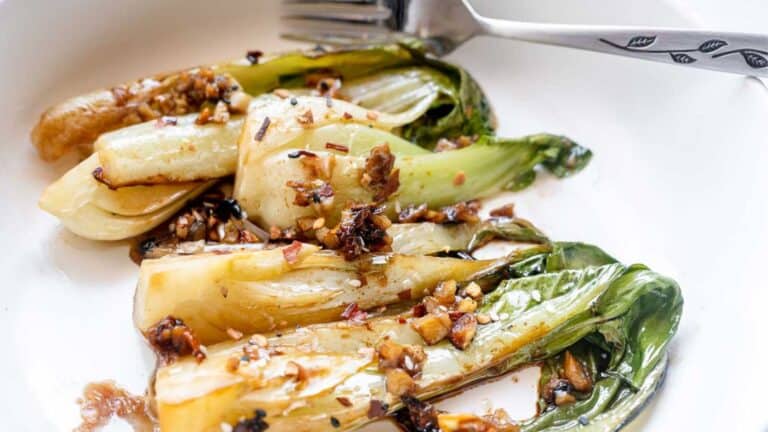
column 679, row 182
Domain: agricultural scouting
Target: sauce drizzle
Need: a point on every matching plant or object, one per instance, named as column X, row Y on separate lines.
column 103, row 400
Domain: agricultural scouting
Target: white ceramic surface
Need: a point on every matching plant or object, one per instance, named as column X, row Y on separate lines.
column 678, row 182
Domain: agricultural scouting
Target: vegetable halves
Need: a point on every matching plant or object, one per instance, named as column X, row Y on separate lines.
column 147, row 154
column 454, row 103
column 157, row 169
column 272, row 135
column 629, row 312
column 92, row 210
column 258, row 291
column 162, row 153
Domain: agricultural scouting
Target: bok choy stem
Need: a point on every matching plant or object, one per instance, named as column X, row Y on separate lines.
column 256, row 291
column 486, row 167
column 92, row 210
column 449, row 101
column 145, row 154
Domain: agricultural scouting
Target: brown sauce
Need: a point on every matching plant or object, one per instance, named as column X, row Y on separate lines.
column 101, row 401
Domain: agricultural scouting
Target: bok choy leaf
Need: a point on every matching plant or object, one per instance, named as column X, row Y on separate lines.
column 638, row 316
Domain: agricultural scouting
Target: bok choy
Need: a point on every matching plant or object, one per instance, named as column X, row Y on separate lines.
column 272, row 136
column 258, row 291
column 427, row 238
column 146, row 154
column 423, row 238
column 442, row 99
column 187, row 151
column 92, row 210
column 328, row 377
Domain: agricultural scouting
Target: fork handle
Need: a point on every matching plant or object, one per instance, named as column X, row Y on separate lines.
column 740, row 53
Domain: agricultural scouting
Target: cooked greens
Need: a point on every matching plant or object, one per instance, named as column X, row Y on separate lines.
column 445, row 100
column 146, row 154
column 415, row 97
column 458, row 106
column 423, row 238
column 270, row 137
column 426, row 238
column 94, row 211
column 631, row 324
column 396, row 94
column 325, row 147
column 258, row 291
column 628, row 311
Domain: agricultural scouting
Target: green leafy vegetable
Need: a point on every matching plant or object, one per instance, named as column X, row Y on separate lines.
column 629, row 312
column 485, row 167
column 515, row 229
column 631, row 325
column 443, row 99
column 460, row 107
column 256, row 291
column 92, row 210
column 490, row 165
column 428, row 99
column 424, row 238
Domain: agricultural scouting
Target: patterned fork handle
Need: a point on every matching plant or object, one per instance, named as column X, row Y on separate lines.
column 446, row 24
column 722, row 51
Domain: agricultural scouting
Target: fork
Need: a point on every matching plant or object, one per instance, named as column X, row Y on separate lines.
column 443, row 25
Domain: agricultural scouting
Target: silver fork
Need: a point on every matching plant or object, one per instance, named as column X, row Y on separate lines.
column 445, row 24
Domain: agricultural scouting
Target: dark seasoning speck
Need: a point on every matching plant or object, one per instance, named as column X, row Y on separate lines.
column 253, row 424
column 253, row 56
column 299, row 153
column 263, row 129
column 338, row 147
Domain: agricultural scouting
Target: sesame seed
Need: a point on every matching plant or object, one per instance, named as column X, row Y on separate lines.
column 459, row 178
column 281, row 93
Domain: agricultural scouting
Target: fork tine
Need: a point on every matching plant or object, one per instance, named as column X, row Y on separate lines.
column 331, row 1
column 336, row 11
column 334, row 27
column 332, row 40
column 315, row 30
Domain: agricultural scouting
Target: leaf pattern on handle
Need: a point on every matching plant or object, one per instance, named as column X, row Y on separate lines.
column 754, row 60
column 712, row 45
column 641, row 41
column 682, row 58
